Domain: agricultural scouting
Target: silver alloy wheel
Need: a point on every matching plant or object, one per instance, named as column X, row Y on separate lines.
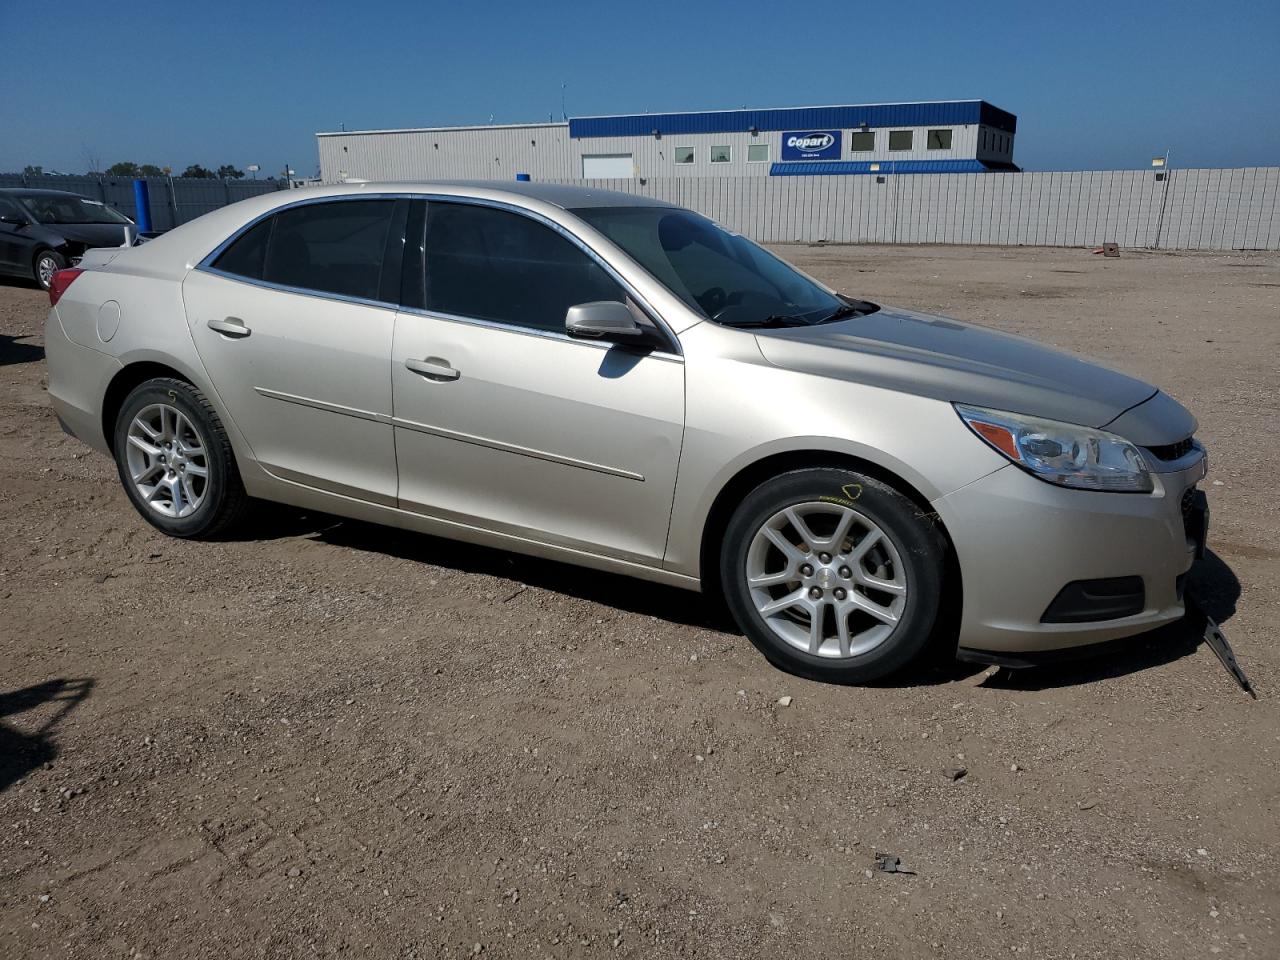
column 167, row 461
column 46, row 267
column 826, row 579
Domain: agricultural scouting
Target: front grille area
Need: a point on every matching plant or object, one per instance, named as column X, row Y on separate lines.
column 1173, row 451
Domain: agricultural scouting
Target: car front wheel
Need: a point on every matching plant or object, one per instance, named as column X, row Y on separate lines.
column 47, row 263
column 175, row 460
column 833, row 575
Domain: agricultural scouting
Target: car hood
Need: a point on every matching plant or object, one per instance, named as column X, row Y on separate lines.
column 962, row 363
column 92, row 234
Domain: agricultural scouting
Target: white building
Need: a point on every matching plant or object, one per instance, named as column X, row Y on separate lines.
column 955, row 136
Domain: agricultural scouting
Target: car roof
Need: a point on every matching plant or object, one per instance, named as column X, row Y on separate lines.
column 557, row 194
column 33, row 192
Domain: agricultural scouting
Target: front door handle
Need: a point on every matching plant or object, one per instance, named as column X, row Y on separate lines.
column 230, row 327
column 433, row 368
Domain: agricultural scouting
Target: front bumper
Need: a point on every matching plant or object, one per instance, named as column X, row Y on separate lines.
column 1020, row 540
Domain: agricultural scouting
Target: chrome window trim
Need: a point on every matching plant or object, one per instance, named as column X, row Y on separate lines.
column 207, row 262
column 206, row 265
column 301, row 291
column 532, row 332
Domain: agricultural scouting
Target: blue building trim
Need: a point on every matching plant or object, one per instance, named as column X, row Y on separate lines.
column 885, row 167
column 949, row 113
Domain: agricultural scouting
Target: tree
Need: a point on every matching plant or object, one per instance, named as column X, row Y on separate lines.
column 150, row 170
column 125, row 168
column 30, row 171
column 228, row 172
column 199, row 173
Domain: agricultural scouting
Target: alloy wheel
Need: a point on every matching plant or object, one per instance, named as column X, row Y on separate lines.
column 167, row 461
column 826, row 579
column 46, row 267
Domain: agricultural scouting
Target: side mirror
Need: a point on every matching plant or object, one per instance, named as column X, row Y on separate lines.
column 603, row 320
column 15, row 219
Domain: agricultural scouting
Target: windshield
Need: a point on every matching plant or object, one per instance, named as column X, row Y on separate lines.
column 51, row 209
column 721, row 275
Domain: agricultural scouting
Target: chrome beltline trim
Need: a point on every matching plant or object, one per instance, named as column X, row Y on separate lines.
column 447, row 434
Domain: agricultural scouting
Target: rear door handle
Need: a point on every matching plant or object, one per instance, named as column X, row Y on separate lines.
column 230, row 327
column 433, row 368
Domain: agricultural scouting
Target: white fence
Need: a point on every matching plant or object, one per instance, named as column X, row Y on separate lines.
column 1235, row 209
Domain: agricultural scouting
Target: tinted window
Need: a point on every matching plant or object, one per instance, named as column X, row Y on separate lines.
column 684, row 154
column 330, row 247
column 721, row 155
column 494, row 265
column 719, row 274
column 758, row 153
column 860, row 141
column 900, row 139
column 939, row 140
column 246, row 255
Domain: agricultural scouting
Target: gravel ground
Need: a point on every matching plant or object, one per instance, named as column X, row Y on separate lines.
column 330, row 738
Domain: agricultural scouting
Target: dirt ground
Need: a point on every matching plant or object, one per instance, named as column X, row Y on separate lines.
column 328, row 738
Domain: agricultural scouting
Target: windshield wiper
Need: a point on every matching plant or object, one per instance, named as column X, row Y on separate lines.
column 773, row 320
column 859, row 308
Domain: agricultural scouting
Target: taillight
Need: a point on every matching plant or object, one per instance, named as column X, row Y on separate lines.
column 61, row 280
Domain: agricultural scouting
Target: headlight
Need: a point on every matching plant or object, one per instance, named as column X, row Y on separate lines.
column 1062, row 453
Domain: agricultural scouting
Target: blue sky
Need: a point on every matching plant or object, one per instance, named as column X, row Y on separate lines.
column 1094, row 85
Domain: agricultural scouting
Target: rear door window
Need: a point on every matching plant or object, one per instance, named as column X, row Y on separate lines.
column 245, row 256
column 492, row 264
column 335, row 247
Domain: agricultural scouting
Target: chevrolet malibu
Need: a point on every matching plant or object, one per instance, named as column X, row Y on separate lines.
column 616, row 382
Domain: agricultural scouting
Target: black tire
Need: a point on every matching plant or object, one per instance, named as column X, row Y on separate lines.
column 39, row 270
column 223, row 500
column 913, row 533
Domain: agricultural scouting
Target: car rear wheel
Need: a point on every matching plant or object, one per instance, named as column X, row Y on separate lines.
column 833, row 575
column 175, row 460
column 46, row 264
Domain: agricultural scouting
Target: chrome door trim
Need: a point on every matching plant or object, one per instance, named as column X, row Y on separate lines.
column 206, row 263
column 324, row 405
column 448, row 434
column 516, row 449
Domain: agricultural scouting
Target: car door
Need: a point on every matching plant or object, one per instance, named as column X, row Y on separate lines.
column 504, row 422
column 294, row 321
column 14, row 240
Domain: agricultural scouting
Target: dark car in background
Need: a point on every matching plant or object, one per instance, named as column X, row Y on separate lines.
column 43, row 231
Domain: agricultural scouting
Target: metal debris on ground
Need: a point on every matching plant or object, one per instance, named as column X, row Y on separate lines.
column 1216, row 641
column 888, row 863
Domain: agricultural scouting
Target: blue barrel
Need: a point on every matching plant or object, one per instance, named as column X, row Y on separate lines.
column 142, row 204
column 522, row 177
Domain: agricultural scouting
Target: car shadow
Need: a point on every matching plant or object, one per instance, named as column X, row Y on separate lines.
column 21, row 283
column 1212, row 581
column 21, row 752
column 1216, row 590
column 12, row 350
column 614, row 590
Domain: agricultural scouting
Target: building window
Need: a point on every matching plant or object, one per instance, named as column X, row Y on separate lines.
column 684, row 155
column 721, row 154
column 862, row 141
column 758, row 153
column 900, row 139
column 939, row 140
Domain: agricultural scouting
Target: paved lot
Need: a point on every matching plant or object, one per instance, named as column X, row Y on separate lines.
column 329, row 738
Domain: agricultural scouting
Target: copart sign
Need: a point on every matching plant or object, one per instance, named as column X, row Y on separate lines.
column 811, row 145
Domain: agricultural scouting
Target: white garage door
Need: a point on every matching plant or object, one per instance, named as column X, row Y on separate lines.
column 608, row 166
